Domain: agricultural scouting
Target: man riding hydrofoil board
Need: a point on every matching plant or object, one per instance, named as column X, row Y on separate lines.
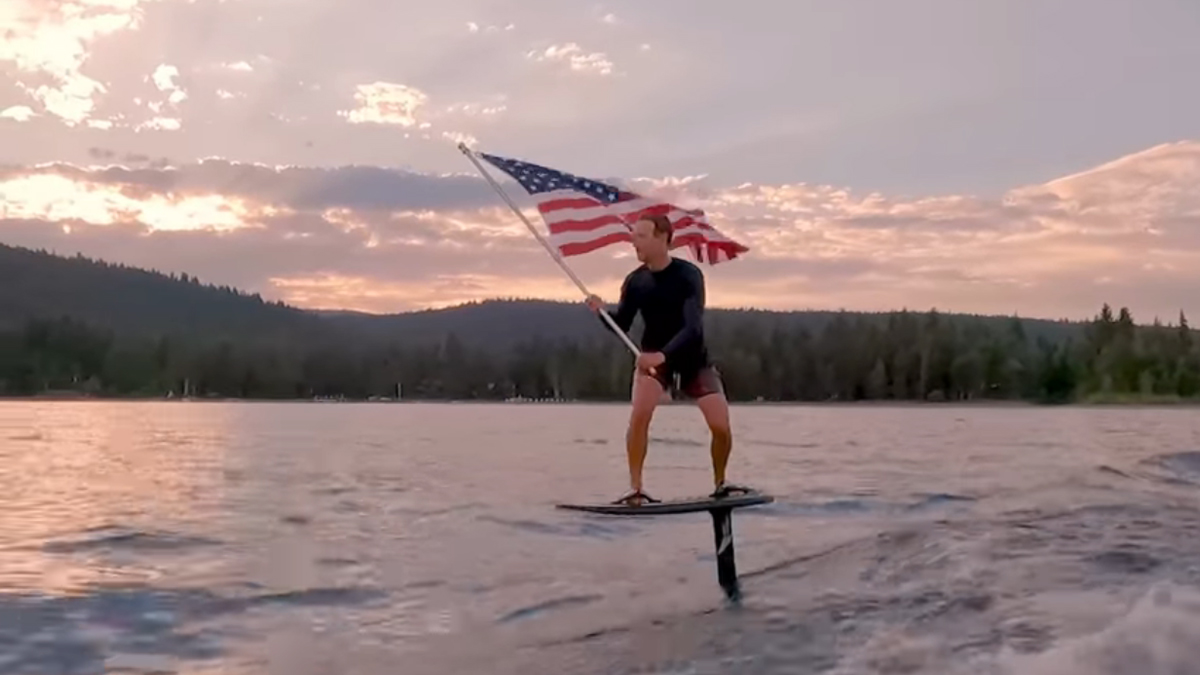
column 669, row 294
column 582, row 215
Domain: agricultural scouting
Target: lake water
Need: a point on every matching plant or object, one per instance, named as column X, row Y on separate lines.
column 304, row 538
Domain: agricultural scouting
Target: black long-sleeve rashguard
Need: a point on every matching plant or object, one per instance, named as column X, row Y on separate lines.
column 671, row 302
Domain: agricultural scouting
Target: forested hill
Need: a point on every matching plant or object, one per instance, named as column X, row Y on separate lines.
column 501, row 324
column 133, row 301
column 81, row 325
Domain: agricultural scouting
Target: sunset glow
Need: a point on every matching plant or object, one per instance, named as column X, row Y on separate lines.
column 54, row 40
column 310, row 154
column 52, row 198
column 812, row 246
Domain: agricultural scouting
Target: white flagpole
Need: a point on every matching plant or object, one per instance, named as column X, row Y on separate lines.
column 549, row 249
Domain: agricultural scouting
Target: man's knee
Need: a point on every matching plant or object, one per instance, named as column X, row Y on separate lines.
column 645, row 399
column 716, row 413
column 721, row 429
column 639, row 418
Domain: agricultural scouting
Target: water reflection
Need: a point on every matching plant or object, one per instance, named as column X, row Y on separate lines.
column 304, row 538
column 94, row 490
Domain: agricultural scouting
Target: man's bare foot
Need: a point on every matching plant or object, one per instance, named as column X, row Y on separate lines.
column 727, row 489
column 636, row 498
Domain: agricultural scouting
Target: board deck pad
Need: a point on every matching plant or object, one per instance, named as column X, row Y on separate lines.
column 692, row 504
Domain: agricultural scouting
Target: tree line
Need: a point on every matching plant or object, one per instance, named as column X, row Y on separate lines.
column 903, row 356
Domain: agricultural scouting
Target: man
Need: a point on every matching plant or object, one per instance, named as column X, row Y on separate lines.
column 669, row 294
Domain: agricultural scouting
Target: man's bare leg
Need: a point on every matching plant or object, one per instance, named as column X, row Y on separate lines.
column 647, row 392
column 715, row 409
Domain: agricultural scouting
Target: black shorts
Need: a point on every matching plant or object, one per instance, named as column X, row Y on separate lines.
column 694, row 384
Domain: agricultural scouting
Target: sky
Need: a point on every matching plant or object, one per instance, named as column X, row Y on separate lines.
column 1000, row 157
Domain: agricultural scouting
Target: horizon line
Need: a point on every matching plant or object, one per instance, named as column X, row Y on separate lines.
column 175, row 276
column 725, row 308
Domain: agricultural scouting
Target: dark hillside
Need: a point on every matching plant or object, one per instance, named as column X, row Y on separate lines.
column 128, row 300
column 500, row 324
column 132, row 301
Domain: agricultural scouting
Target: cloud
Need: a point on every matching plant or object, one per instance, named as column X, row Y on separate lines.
column 56, row 198
column 359, row 188
column 165, row 78
column 20, row 113
column 51, row 43
column 386, row 103
column 574, row 57
column 1125, row 232
column 474, row 27
column 473, row 109
column 62, row 57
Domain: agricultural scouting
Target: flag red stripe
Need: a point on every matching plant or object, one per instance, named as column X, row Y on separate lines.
column 560, row 203
column 730, row 249
column 552, row 214
column 578, row 248
column 563, row 224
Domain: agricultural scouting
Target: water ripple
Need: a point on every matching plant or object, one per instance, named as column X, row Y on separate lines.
column 115, row 537
column 549, row 605
column 251, row 538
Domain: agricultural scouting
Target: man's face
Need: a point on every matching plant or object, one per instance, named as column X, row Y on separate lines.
column 646, row 242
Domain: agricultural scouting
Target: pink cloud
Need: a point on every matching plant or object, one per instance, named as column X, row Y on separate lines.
column 1126, row 232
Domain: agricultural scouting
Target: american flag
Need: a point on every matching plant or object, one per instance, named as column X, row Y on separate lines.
column 584, row 214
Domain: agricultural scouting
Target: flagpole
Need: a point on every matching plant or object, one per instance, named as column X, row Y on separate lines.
column 545, row 244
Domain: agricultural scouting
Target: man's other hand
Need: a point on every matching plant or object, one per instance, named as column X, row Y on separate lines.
column 595, row 303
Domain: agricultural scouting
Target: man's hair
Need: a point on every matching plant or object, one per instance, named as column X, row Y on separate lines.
column 661, row 225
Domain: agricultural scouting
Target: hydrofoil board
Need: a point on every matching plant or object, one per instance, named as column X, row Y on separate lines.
column 692, row 504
